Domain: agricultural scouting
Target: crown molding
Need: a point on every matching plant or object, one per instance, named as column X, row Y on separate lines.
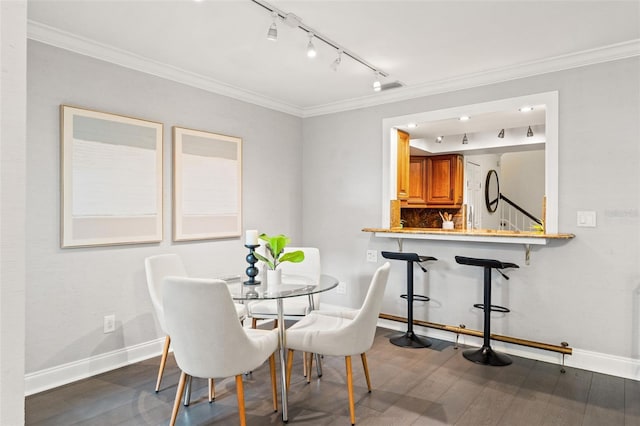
column 52, row 36
column 68, row 41
column 609, row 53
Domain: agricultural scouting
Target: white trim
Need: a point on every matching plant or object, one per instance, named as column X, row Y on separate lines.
column 67, row 373
column 628, row 368
column 84, row 46
column 53, row 377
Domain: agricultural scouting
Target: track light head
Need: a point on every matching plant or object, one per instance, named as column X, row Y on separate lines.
column 529, row 132
column 272, row 34
column 465, row 140
column 377, row 86
column 439, row 139
column 501, row 134
column 336, row 63
column 311, row 49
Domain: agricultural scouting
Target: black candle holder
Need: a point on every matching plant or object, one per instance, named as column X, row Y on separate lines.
column 252, row 270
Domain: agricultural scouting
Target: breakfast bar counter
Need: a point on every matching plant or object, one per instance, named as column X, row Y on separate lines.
column 477, row 235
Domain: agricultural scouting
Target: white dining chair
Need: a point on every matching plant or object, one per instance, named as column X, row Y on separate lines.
column 341, row 334
column 157, row 268
column 192, row 306
column 294, row 308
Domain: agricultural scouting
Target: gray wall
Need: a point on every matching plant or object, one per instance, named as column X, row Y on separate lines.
column 585, row 291
column 70, row 290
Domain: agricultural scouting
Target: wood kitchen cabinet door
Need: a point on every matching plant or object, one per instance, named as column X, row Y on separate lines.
column 444, row 180
column 417, row 182
column 403, row 165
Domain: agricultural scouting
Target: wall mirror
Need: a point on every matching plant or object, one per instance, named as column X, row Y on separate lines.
column 492, row 191
column 517, row 137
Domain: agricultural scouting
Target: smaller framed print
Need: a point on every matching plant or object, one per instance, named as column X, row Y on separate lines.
column 111, row 173
column 207, row 185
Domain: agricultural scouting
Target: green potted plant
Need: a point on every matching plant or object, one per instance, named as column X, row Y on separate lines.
column 275, row 256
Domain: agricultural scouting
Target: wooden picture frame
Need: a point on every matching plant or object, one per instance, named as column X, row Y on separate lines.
column 207, row 185
column 111, row 178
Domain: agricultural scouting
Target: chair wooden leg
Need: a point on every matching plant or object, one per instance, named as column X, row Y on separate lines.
column 254, row 322
column 274, row 387
column 179, row 392
column 366, row 370
column 163, row 361
column 309, row 365
column 212, row 390
column 289, row 365
column 304, row 364
column 352, row 408
column 240, row 393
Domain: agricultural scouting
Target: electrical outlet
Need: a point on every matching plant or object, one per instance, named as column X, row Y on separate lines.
column 342, row 288
column 109, row 323
column 372, row 256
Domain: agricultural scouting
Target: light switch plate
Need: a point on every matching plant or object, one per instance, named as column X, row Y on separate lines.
column 372, row 256
column 587, row 219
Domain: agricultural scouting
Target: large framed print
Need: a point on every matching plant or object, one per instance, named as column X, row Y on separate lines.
column 207, row 185
column 111, row 173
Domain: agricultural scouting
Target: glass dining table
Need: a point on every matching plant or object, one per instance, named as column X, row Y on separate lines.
column 291, row 286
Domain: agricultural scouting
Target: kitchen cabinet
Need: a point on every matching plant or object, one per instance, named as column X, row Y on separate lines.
column 403, row 166
column 417, row 196
column 444, row 181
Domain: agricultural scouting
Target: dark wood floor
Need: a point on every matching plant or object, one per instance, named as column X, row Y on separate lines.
column 434, row 386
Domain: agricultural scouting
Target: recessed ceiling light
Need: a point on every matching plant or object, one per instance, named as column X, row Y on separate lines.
column 412, row 125
column 439, row 139
column 464, row 118
column 525, row 109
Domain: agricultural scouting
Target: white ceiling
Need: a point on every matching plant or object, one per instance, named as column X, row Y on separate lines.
column 430, row 46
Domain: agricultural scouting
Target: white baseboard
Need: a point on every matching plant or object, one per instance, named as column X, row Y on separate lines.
column 587, row 360
column 49, row 378
column 629, row 368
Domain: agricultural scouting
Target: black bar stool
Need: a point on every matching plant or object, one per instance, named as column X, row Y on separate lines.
column 409, row 339
column 485, row 355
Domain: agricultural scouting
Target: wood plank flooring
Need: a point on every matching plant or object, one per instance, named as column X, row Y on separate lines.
column 434, row 386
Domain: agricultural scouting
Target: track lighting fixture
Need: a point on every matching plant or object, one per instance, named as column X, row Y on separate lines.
column 501, row 134
column 529, row 132
column 311, row 49
column 439, row 139
column 336, row 63
column 377, row 86
column 294, row 21
column 272, row 34
column 465, row 140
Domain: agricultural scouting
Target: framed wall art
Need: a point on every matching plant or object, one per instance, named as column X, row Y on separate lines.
column 207, row 185
column 111, row 173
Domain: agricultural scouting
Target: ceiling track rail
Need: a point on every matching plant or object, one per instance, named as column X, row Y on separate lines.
column 309, row 30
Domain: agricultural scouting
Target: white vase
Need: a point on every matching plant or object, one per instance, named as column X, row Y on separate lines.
column 447, row 224
column 274, row 278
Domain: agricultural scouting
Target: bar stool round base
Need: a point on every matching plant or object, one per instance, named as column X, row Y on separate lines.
column 486, row 356
column 410, row 340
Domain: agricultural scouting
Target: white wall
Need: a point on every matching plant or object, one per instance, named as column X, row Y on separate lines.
column 13, row 63
column 522, row 179
column 70, row 290
column 585, row 291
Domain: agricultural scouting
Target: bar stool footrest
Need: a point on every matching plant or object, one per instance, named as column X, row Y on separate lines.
column 494, row 308
column 416, row 297
column 487, row 356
